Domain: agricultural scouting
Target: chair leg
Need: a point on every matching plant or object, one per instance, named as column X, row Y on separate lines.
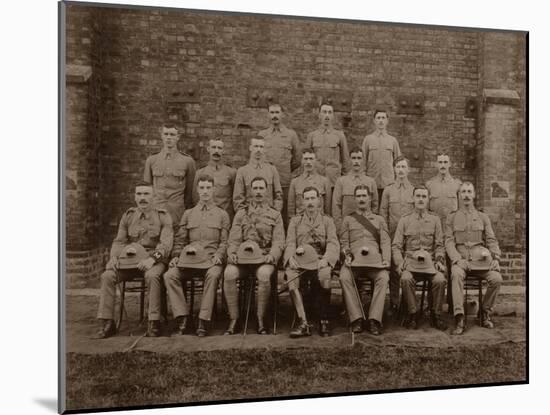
column 142, row 300
column 480, row 300
column 192, row 302
column 121, row 313
column 420, row 311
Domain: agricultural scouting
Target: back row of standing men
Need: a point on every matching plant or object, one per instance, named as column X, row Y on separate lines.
column 339, row 177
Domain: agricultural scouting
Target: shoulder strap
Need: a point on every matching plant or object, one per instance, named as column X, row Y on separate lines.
column 367, row 224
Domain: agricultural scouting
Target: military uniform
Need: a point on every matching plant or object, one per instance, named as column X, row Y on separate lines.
column 417, row 231
column 380, row 150
column 343, row 198
column 465, row 229
column 282, row 149
column 331, row 148
column 208, row 225
column 319, row 232
column 171, row 174
column 397, row 201
column 443, row 195
column 297, row 186
column 153, row 230
column 224, row 181
column 353, row 236
column 243, row 185
column 263, row 225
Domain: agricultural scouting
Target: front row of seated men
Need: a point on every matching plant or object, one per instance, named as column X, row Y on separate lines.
column 206, row 241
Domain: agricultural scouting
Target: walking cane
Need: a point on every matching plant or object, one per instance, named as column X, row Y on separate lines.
column 252, row 283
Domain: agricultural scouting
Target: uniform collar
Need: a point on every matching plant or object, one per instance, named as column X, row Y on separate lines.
column 378, row 133
column 447, row 178
column 214, row 165
column 257, row 164
column 168, row 154
column 326, row 130
column 405, row 183
column 306, row 174
column 276, row 129
column 206, row 206
column 366, row 213
column 313, row 218
column 420, row 215
column 257, row 206
column 470, row 210
column 144, row 213
column 359, row 174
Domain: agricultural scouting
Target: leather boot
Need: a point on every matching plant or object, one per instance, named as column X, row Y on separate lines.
column 357, row 325
column 459, row 327
column 302, row 330
column 181, row 324
column 107, row 329
column 153, row 329
column 261, row 327
column 374, row 327
column 486, row 320
column 437, row 322
column 410, row 321
column 231, row 328
column 296, row 297
column 201, row 330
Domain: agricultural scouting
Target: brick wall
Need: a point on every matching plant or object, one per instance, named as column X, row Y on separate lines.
column 140, row 56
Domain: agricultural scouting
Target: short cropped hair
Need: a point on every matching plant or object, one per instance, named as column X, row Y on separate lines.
column 258, row 179
column 311, row 189
column 205, row 178
column 421, row 187
column 308, row 150
column 467, row 183
column 170, row 124
column 274, row 104
column 377, row 110
column 442, row 154
column 400, row 158
column 143, row 183
column 356, row 149
column 361, row 187
column 325, row 102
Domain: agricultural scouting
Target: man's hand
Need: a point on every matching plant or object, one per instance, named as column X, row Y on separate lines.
column 495, row 266
column 323, row 263
column 400, row 268
column 292, row 263
column 146, row 264
column 348, row 260
column 439, row 266
column 268, row 259
column 216, row 260
column 113, row 262
column 462, row 263
column 232, row 259
column 173, row 262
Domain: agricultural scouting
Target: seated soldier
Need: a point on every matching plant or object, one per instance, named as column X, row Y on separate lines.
column 472, row 247
column 199, row 248
column 142, row 245
column 314, row 232
column 366, row 247
column 417, row 242
column 261, row 227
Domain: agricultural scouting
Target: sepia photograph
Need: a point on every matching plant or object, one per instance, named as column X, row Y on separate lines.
column 267, row 207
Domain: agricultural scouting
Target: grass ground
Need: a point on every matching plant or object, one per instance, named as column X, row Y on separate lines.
column 142, row 378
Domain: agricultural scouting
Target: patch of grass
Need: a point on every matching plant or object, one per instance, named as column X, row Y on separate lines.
column 141, row 378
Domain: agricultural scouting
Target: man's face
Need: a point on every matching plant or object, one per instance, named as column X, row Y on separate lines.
column 258, row 191
column 257, row 149
column 362, row 198
column 381, row 120
column 421, row 199
column 144, row 197
column 467, row 194
column 356, row 161
column 443, row 164
column 401, row 169
column 275, row 114
column 326, row 115
column 169, row 137
column 311, row 200
column 215, row 149
column 205, row 190
column 308, row 161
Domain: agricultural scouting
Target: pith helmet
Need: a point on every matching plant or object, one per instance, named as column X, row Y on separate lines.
column 367, row 256
column 194, row 256
column 421, row 261
column 480, row 258
column 249, row 252
column 131, row 255
column 306, row 257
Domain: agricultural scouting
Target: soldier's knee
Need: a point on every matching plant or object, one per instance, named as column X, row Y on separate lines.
column 108, row 276
column 457, row 273
column 171, row 275
column 213, row 273
column 325, row 275
column 264, row 273
column 494, row 278
column 383, row 276
column 152, row 275
column 231, row 273
column 406, row 277
column 439, row 279
column 345, row 274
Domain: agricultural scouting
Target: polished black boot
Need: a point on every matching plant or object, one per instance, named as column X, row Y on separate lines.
column 107, row 329
column 181, row 324
column 201, row 330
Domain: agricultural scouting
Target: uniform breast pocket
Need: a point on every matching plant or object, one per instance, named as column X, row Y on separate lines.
column 221, row 181
column 179, row 174
column 477, row 225
column 158, row 172
column 373, row 149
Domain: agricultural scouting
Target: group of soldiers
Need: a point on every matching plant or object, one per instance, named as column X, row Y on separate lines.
column 353, row 208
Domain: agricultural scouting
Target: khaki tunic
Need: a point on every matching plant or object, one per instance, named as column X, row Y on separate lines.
column 379, row 151
column 243, row 185
column 282, row 149
column 224, row 181
column 443, row 195
column 397, row 201
column 297, row 186
column 331, row 148
column 343, row 199
column 171, row 175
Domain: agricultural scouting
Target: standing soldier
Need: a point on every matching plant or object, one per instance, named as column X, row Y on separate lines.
column 366, row 246
column 309, row 178
column 315, row 233
column 171, row 173
column 282, row 149
column 224, row 177
column 257, row 167
column 343, row 200
column 145, row 234
column 330, row 146
column 380, row 150
column 418, row 241
column 397, row 201
column 472, row 247
column 443, row 189
column 202, row 236
column 262, row 225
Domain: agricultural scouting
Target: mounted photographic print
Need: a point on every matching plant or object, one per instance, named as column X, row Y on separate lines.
column 259, row 207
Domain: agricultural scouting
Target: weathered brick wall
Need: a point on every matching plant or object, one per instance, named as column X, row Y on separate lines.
column 142, row 54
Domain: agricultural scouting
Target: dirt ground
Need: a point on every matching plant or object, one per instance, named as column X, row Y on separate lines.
column 81, row 326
